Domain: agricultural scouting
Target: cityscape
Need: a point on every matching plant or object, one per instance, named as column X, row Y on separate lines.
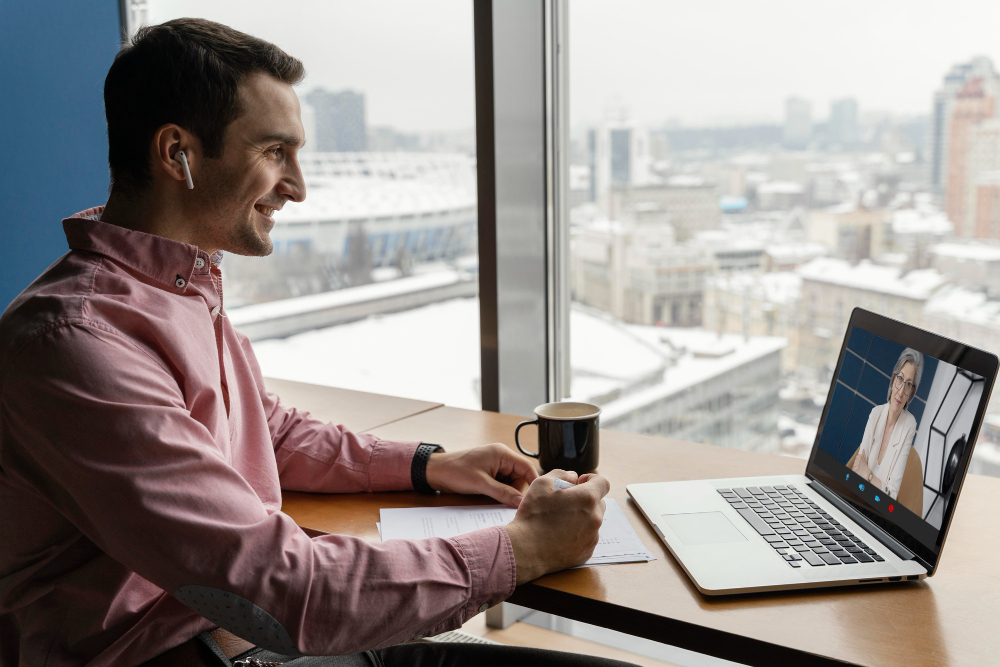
column 713, row 267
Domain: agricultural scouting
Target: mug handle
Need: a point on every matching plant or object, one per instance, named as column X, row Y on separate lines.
column 518, row 442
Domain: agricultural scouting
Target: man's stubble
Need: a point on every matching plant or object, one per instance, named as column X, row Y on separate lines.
column 235, row 231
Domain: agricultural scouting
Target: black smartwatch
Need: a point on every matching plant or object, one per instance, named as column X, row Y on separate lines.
column 418, row 468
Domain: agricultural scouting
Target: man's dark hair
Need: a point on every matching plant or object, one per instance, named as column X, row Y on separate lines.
column 186, row 71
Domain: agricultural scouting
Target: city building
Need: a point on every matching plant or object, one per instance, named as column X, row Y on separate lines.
column 944, row 99
column 780, row 195
column 843, row 128
column 729, row 252
column 798, row 123
column 981, row 167
column 637, row 273
column 913, row 230
column 970, row 265
column 756, row 304
column 364, row 211
column 688, row 202
column 683, row 383
column 717, row 389
column 975, row 103
column 788, row 256
column 339, row 120
column 851, row 231
column 832, row 288
column 986, row 220
column 619, row 158
column 971, row 316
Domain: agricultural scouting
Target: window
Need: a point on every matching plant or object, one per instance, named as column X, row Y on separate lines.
column 742, row 178
column 373, row 282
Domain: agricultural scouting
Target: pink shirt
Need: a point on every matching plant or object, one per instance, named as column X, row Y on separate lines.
column 142, row 461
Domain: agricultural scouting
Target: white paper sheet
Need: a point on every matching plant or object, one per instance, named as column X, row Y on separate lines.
column 618, row 541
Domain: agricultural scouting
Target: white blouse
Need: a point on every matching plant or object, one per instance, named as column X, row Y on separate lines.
column 890, row 470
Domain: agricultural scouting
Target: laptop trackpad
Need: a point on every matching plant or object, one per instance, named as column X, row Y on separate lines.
column 703, row 528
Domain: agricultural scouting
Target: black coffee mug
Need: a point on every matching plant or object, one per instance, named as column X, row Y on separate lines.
column 568, row 436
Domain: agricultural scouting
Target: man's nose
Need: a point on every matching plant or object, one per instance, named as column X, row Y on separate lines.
column 293, row 185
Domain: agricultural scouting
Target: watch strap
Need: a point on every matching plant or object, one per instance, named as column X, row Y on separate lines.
column 418, row 467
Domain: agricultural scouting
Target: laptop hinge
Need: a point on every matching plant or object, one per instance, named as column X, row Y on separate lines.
column 884, row 537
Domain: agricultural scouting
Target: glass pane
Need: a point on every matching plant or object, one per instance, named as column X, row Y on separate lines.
column 742, row 179
column 373, row 282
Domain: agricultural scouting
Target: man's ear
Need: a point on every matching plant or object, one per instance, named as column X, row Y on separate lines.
column 168, row 141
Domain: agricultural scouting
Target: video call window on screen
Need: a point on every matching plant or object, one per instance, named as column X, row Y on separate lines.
column 902, row 419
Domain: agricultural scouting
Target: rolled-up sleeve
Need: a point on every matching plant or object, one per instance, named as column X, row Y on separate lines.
column 98, row 427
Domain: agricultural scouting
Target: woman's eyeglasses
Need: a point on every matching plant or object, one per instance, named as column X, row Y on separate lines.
column 898, row 382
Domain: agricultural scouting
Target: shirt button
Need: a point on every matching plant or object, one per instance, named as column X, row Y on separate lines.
column 199, row 263
column 215, row 311
column 483, row 607
column 180, row 282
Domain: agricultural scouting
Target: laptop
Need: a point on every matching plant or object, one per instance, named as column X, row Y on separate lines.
column 880, row 487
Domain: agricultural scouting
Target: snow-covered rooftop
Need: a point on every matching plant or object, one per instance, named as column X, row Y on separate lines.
column 260, row 312
column 342, row 186
column 916, row 221
column 787, row 253
column 686, row 181
column 866, row 276
column 979, row 252
column 432, row 353
column 778, row 287
column 780, row 188
column 965, row 305
column 697, row 362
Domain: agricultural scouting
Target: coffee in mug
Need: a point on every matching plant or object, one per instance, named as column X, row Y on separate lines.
column 568, row 436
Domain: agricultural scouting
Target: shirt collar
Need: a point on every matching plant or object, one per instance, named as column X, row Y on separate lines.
column 163, row 260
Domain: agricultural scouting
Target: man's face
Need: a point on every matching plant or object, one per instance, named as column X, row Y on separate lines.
column 257, row 173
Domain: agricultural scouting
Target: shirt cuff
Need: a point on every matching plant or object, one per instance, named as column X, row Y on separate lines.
column 389, row 466
column 490, row 558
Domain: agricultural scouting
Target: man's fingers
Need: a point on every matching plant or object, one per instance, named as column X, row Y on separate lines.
column 598, row 483
column 565, row 475
column 503, row 493
column 518, row 466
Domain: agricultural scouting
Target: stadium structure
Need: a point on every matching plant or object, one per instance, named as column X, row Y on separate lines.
column 395, row 208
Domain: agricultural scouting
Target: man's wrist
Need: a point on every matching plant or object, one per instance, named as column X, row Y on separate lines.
column 526, row 564
column 418, row 467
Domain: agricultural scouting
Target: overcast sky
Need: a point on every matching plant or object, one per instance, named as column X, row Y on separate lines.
column 702, row 62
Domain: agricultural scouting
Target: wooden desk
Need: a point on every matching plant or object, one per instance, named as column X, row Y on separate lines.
column 949, row 619
column 358, row 410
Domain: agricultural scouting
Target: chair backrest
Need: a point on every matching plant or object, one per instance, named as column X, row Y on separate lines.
column 911, row 487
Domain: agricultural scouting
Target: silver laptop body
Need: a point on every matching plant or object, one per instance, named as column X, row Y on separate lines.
column 831, row 527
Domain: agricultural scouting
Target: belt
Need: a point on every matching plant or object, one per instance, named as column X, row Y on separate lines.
column 196, row 652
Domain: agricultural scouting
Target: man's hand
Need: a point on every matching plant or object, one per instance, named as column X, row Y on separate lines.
column 557, row 528
column 492, row 470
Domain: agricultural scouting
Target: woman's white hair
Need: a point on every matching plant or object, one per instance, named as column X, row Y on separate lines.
column 915, row 358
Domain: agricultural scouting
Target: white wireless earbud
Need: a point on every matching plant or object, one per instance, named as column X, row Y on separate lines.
column 187, row 169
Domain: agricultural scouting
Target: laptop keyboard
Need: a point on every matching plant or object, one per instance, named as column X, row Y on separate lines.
column 797, row 528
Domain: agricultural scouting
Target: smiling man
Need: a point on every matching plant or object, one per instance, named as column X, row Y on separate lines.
column 142, row 459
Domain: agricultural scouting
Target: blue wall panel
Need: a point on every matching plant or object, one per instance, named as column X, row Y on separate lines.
column 859, row 341
column 55, row 56
column 836, row 420
column 850, row 369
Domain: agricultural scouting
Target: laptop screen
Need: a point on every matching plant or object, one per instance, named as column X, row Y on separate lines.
column 899, row 428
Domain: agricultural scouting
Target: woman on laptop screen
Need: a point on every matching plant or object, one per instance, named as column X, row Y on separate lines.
column 885, row 446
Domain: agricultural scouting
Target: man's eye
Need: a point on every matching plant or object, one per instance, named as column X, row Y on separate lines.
column 274, row 151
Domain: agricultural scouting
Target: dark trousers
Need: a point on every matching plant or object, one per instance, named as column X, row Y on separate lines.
column 432, row 654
